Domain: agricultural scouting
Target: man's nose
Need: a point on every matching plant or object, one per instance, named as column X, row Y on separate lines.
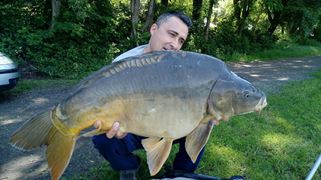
column 175, row 45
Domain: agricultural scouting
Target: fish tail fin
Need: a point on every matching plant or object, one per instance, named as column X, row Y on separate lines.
column 39, row 131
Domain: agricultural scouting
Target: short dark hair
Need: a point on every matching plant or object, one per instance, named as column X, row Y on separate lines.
column 183, row 17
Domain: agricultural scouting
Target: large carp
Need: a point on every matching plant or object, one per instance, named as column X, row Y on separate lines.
column 162, row 95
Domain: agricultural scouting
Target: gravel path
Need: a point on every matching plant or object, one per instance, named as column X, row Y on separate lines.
column 270, row 76
column 15, row 164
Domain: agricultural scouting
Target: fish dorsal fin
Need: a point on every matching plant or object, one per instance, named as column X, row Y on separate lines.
column 197, row 139
column 119, row 66
column 157, row 152
column 135, row 62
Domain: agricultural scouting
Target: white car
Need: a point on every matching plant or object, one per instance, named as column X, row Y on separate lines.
column 9, row 74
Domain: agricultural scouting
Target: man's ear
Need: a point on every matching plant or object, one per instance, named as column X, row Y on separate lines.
column 153, row 28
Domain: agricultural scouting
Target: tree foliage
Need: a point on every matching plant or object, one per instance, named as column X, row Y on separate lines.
column 71, row 38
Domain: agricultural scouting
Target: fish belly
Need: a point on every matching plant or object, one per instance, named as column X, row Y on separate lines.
column 162, row 116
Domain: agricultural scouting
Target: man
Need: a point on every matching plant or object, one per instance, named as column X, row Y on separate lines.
column 168, row 33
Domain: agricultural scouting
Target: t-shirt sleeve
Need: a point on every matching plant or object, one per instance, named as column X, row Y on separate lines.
column 133, row 52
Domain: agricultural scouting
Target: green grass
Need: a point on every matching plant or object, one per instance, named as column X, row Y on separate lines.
column 281, row 50
column 26, row 85
column 280, row 143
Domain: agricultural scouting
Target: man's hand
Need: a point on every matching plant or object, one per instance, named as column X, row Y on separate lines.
column 114, row 130
column 215, row 122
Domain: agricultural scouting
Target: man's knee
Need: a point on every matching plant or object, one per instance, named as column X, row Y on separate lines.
column 115, row 151
column 101, row 141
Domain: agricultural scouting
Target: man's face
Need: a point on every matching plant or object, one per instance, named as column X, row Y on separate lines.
column 169, row 35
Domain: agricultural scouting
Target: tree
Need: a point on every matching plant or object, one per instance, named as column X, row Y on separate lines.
column 208, row 18
column 197, row 7
column 317, row 30
column 150, row 15
column 274, row 10
column 241, row 13
column 298, row 17
column 164, row 3
column 135, row 7
column 301, row 17
column 55, row 6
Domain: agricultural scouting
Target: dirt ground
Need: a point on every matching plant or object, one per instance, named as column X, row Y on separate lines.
column 16, row 164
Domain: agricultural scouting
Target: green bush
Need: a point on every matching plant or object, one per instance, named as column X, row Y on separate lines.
column 224, row 41
column 81, row 41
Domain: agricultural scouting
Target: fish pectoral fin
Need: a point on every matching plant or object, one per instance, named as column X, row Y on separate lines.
column 150, row 143
column 197, row 139
column 157, row 150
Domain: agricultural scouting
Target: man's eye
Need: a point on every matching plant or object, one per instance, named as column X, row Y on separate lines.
column 172, row 34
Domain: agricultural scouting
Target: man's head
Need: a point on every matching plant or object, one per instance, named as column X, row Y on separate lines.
column 169, row 32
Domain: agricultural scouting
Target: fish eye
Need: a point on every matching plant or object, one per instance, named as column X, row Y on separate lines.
column 246, row 94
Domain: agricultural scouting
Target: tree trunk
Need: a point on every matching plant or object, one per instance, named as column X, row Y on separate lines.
column 208, row 19
column 275, row 17
column 255, row 23
column 55, row 5
column 197, row 7
column 164, row 3
column 274, row 22
column 150, row 15
column 236, row 10
column 135, row 6
column 242, row 12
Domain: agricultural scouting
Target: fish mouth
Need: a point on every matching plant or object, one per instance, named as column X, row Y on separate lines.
column 261, row 104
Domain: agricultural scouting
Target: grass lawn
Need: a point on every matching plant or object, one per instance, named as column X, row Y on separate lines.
column 281, row 50
column 282, row 142
column 26, row 85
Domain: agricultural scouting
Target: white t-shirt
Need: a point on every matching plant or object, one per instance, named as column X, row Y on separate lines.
column 139, row 50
